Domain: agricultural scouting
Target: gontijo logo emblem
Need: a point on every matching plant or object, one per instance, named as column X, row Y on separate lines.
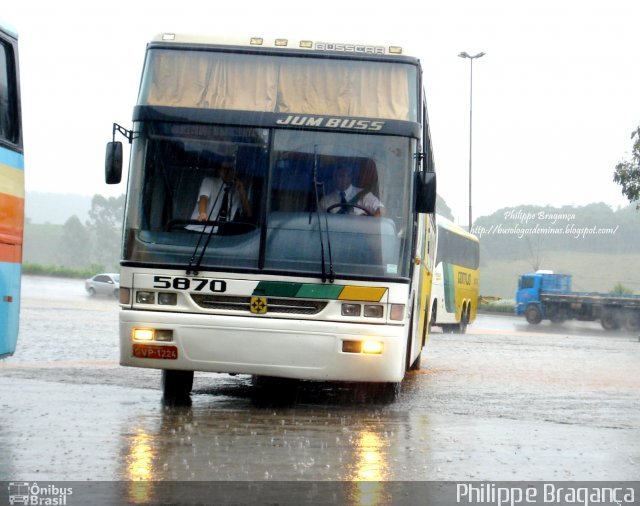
column 258, row 305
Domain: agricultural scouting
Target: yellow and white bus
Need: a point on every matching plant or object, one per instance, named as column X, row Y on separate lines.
column 11, row 191
column 278, row 285
column 454, row 293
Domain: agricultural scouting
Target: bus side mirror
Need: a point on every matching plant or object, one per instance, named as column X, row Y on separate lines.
column 113, row 163
column 425, row 192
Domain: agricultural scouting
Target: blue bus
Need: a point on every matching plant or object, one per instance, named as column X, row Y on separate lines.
column 11, row 191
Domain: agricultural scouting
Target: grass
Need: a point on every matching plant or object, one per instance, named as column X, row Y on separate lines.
column 60, row 272
column 591, row 272
column 498, row 306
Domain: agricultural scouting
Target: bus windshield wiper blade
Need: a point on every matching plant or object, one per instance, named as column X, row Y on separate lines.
column 316, row 185
column 191, row 268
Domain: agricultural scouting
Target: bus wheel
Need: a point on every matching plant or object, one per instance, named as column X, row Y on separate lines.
column 176, row 384
column 609, row 320
column 434, row 315
column 464, row 319
column 417, row 363
column 383, row 392
column 408, row 366
column 533, row 315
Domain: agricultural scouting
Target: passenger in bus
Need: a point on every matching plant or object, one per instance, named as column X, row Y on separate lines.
column 221, row 198
column 349, row 199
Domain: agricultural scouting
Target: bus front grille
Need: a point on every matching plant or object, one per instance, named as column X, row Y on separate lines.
column 274, row 305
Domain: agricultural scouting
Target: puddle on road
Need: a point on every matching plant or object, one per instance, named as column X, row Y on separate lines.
column 54, row 431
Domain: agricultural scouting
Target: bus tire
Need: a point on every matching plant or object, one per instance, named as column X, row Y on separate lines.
column 417, row 363
column 464, row 318
column 609, row 319
column 176, row 384
column 408, row 365
column 533, row 315
column 433, row 316
column 384, row 392
column 426, row 328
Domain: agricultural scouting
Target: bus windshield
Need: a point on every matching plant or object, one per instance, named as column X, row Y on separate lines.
column 279, row 190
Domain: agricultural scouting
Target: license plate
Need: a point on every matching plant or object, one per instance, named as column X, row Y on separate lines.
column 155, row 351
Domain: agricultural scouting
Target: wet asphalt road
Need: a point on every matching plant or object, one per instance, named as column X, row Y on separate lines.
column 503, row 402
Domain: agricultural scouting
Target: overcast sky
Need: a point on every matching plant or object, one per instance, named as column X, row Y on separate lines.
column 555, row 99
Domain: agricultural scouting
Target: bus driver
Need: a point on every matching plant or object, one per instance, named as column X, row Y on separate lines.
column 220, row 199
column 348, row 199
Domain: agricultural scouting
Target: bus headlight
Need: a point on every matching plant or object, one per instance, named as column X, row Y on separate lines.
column 372, row 347
column 145, row 297
column 142, row 334
column 351, row 310
column 369, row 347
column 165, row 335
column 371, row 311
column 167, row 299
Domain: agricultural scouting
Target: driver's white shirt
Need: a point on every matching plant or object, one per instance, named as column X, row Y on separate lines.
column 369, row 201
column 212, row 188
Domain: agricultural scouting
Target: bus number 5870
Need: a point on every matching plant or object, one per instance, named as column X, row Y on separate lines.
column 195, row 284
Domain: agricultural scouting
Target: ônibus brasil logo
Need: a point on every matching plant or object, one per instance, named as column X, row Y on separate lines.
column 23, row 492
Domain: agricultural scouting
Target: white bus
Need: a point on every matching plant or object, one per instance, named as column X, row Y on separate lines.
column 281, row 284
column 454, row 293
column 11, row 191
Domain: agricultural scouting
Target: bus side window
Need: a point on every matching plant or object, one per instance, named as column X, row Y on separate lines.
column 8, row 100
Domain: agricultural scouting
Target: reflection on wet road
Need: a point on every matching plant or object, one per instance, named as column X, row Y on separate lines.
column 502, row 402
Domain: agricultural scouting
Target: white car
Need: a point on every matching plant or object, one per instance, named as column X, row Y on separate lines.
column 103, row 284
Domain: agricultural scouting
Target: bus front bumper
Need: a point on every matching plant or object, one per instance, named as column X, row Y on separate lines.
column 307, row 350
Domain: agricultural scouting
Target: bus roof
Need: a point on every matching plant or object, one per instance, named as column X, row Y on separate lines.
column 8, row 29
column 443, row 222
column 282, row 43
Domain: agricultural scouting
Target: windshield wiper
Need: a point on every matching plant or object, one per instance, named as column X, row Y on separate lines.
column 316, row 185
column 191, row 269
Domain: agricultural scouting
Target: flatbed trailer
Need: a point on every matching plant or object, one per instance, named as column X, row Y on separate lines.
column 546, row 296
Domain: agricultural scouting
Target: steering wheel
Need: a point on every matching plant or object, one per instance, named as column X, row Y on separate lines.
column 226, row 228
column 182, row 223
column 334, row 206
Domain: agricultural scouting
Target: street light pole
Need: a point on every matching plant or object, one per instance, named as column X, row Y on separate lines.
column 464, row 54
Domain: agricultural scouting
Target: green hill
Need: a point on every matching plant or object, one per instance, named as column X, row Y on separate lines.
column 597, row 245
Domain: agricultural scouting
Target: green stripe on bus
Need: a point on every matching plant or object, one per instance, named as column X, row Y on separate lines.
column 449, row 288
column 297, row 290
column 310, row 291
column 277, row 289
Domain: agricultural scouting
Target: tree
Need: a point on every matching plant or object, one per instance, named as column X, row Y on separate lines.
column 627, row 173
column 536, row 255
column 105, row 221
column 620, row 289
column 74, row 249
column 443, row 209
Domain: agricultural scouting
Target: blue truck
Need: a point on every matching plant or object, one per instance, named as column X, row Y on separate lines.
column 547, row 296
